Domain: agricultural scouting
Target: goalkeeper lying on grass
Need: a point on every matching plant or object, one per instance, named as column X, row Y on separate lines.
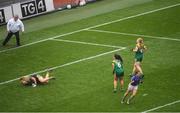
column 36, row 79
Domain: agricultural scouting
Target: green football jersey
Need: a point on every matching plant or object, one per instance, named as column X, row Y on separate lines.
column 139, row 54
column 118, row 67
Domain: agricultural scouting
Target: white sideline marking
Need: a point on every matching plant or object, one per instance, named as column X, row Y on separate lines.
column 141, row 14
column 169, row 104
column 65, row 34
column 87, row 43
column 131, row 34
column 67, row 64
column 118, row 20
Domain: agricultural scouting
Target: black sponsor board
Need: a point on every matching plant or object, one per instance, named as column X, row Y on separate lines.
column 33, row 7
column 2, row 16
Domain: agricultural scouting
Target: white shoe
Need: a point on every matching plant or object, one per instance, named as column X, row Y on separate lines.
column 128, row 101
column 34, row 85
column 122, row 102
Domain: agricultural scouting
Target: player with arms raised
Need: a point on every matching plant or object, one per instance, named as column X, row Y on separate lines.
column 139, row 54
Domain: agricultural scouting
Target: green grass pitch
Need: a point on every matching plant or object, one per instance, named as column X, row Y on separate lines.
column 80, row 43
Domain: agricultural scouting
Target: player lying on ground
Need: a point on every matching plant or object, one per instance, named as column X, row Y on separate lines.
column 139, row 53
column 132, row 88
column 118, row 71
column 36, row 79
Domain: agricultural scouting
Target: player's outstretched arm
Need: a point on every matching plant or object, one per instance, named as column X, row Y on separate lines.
column 135, row 49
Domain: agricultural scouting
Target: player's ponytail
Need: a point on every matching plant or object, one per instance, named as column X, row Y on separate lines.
column 118, row 57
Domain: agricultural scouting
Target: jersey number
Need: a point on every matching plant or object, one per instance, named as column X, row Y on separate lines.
column 119, row 65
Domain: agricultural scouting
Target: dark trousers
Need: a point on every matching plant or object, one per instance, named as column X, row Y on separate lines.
column 8, row 37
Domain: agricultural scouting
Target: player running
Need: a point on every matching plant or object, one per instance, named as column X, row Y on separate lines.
column 132, row 88
column 118, row 71
column 139, row 53
column 36, row 79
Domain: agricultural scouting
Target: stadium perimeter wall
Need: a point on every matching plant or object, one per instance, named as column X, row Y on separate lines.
column 31, row 8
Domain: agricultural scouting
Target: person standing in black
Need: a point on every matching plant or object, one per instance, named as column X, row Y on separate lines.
column 14, row 25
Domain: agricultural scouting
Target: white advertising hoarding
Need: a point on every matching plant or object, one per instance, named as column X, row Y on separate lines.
column 32, row 8
column 5, row 14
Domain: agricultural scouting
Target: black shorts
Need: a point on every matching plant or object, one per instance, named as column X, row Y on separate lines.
column 37, row 79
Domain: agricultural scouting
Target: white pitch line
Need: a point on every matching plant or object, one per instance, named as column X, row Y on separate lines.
column 87, row 43
column 131, row 34
column 67, row 64
column 106, row 23
column 40, row 41
column 159, row 107
column 141, row 14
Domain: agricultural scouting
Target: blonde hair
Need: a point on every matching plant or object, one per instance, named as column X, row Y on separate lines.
column 140, row 43
column 139, row 40
column 24, row 80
